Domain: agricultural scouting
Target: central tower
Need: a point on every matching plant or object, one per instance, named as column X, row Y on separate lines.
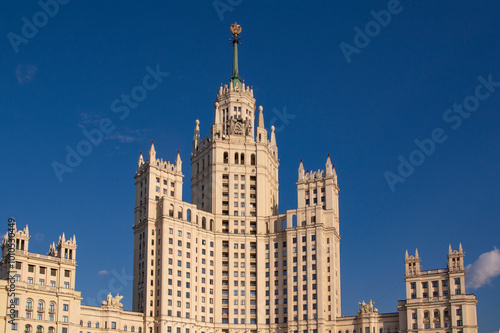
column 229, row 164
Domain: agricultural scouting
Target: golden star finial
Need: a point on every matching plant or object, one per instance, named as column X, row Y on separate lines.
column 235, row 29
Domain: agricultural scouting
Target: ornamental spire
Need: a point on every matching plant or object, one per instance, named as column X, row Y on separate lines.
column 235, row 30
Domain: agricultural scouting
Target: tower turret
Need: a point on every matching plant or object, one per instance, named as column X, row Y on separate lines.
column 456, row 259
column 66, row 249
column 412, row 263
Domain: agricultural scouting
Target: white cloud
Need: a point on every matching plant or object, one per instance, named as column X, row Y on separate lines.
column 484, row 269
column 25, row 73
column 103, row 272
column 125, row 137
column 89, row 119
column 39, row 237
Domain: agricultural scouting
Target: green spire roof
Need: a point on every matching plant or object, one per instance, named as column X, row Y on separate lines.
column 235, row 30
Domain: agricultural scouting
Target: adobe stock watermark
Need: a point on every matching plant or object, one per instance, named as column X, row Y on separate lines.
column 115, row 285
column 363, row 38
column 222, row 6
column 281, row 118
column 29, row 29
column 121, row 106
column 453, row 116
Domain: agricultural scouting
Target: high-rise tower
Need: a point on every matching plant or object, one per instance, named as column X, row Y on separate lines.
column 228, row 260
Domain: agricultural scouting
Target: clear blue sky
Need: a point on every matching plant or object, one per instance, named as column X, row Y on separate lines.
column 366, row 112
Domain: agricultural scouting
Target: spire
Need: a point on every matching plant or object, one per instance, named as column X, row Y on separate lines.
column 329, row 166
column 449, row 249
column 196, row 136
column 416, row 254
column 460, row 248
column 301, row 170
column 261, row 117
column 141, row 160
column 152, row 153
column 406, row 255
column 235, row 30
column 217, row 115
column 273, row 137
column 178, row 162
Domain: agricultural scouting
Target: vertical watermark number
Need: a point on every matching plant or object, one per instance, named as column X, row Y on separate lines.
column 11, row 270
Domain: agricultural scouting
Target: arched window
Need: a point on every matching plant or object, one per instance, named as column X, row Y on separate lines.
column 40, row 306
column 171, row 211
column 203, row 164
column 89, row 324
column 132, row 329
column 81, row 323
column 96, row 324
column 39, row 329
column 125, row 328
column 381, row 330
column 236, row 158
column 29, row 304
column 211, row 225
column 198, row 167
column 140, row 329
column 51, row 329
column 188, row 215
column 294, row 221
column 203, row 222
column 226, row 158
column 242, row 158
column 252, row 159
column 27, row 328
column 52, row 307
column 179, row 213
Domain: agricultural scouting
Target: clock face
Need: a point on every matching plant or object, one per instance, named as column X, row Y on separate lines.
column 238, row 128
